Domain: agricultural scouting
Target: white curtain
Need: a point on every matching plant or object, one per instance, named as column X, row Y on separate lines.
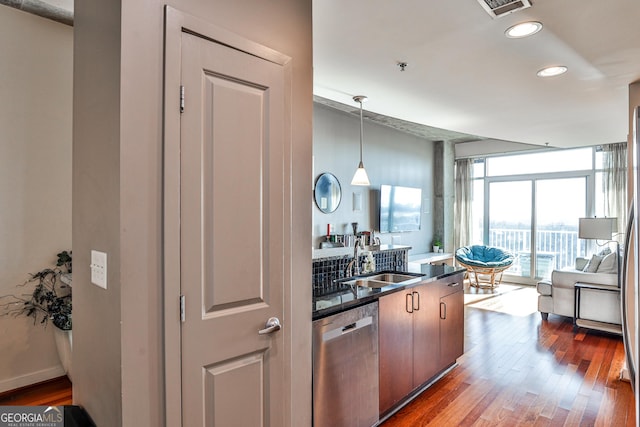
column 463, row 203
column 614, row 182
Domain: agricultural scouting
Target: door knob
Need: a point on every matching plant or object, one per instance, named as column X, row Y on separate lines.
column 272, row 325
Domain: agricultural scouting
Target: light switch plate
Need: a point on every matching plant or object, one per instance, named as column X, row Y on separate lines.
column 357, row 201
column 99, row 269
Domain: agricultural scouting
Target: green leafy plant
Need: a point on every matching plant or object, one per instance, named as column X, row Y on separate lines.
column 50, row 299
column 437, row 242
column 64, row 260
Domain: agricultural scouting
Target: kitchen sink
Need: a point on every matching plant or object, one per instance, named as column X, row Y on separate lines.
column 379, row 280
column 368, row 283
column 390, row 278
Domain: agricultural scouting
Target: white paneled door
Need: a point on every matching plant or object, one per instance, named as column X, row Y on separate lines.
column 233, row 138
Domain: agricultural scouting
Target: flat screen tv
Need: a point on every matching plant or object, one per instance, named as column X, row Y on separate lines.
column 400, row 208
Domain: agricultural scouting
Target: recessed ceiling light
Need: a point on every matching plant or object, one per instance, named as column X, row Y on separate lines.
column 552, row 71
column 523, row 29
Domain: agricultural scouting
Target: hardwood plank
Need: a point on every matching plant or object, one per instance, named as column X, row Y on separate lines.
column 576, row 411
column 55, row 392
column 559, row 418
column 518, row 370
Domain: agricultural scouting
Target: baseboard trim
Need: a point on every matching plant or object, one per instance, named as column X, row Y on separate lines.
column 31, row 378
column 624, row 373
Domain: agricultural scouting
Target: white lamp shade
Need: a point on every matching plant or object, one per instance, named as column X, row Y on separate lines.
column 596, row 228
column 360, row 177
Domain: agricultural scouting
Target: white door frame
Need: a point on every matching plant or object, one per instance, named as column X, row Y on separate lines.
column 177, row 22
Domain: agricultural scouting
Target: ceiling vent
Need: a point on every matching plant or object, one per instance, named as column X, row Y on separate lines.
column 498, row 8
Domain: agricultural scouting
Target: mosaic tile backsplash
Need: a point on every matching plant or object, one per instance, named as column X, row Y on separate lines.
column 325, row 271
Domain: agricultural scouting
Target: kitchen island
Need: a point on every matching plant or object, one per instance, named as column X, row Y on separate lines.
column 340, row 298
column 419, row 336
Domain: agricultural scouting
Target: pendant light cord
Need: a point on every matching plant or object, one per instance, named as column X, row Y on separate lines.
column 360, row 177
column 361, row 133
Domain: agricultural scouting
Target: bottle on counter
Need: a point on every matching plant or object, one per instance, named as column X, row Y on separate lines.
column 369, row 263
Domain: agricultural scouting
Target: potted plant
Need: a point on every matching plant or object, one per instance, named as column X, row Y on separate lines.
column 437, row 244
column 50, row 300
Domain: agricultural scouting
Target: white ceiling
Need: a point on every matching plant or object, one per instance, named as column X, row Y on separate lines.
column 464, row 75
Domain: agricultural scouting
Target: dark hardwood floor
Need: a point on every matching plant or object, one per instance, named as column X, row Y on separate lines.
column 519, row 370
column 55, row 392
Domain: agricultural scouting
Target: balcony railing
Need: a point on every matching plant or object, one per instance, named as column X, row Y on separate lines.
column 554, row 249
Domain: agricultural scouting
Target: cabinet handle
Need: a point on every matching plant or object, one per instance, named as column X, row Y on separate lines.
column 453, row 285
column 416, row 299
column 408, row 305
column 443, row 310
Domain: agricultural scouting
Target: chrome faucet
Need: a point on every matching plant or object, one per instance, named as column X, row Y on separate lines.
column 375, row 240
column 353, row 268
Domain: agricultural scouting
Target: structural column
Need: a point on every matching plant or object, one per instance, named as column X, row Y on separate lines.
column 444, row 192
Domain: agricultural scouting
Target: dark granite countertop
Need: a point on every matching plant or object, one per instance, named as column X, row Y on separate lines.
column 343, row 296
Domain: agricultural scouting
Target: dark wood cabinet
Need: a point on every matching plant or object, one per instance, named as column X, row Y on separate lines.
column 426, row 335
column 395, row 341
column 421, row 332
column 451, row 323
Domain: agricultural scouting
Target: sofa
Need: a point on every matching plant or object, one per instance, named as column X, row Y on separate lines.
column 557, row 296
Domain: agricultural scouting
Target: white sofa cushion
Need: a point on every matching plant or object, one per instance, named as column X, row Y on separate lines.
column 594, row 263
column 609, row 264
column 581, row 263
column 567, row 278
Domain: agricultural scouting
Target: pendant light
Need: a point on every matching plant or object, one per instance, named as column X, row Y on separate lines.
column 360, row 177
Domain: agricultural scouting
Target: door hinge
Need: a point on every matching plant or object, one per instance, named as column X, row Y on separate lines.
column 182, row 99
column 182, row 314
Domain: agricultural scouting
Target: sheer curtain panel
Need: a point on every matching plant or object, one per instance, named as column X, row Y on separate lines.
column 463, row 203
column 615, row 182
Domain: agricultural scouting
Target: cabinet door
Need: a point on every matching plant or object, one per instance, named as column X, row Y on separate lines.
column 426, row 333
column 395, row 334
column 451, row 328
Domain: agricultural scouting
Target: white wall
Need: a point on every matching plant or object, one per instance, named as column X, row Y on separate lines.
column 389, row 156
column 35, row 178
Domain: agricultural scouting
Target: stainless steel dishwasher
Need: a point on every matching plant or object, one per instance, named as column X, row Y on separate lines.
column 345, row 368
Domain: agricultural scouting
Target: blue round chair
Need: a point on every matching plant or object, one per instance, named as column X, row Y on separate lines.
column 485, row 262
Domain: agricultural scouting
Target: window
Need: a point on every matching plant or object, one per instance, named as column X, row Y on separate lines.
column 537, row 163
column 530, row 203
column 557, row 213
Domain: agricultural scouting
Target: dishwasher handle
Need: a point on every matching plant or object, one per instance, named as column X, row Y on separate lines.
column 343, row 330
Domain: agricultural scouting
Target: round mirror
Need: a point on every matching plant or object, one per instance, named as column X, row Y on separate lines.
column 327, row 192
